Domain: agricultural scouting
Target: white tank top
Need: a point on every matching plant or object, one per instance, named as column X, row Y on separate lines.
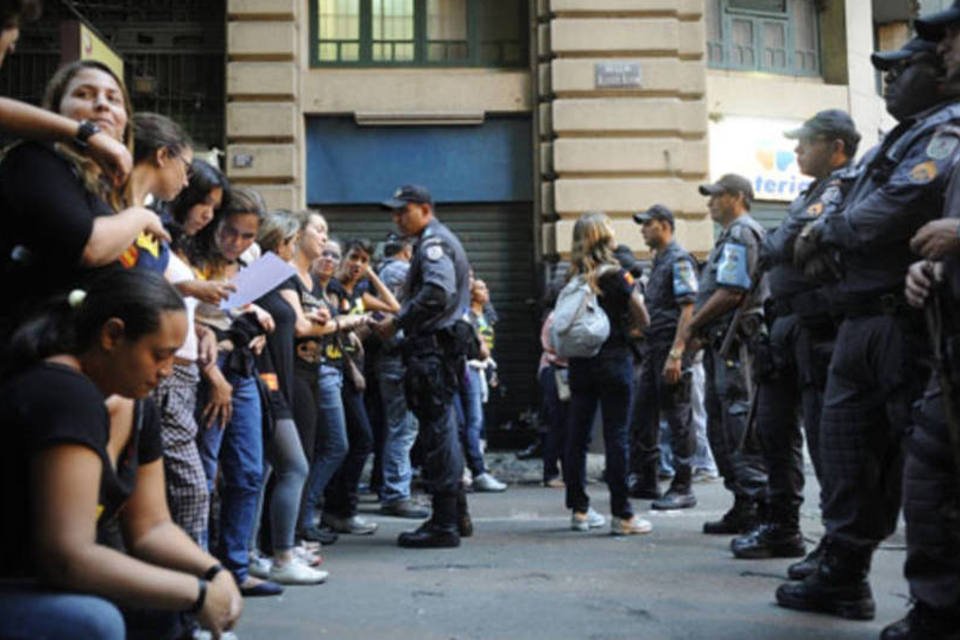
column 180, row 271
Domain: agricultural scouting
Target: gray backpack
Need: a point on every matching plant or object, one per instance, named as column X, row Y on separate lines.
column 580, row 325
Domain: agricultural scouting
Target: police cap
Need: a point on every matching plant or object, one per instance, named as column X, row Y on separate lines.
column 886, row 60
column 406, row 194
column 729, row 183
column 656, row 212
column 831, row 122
column 933, row 26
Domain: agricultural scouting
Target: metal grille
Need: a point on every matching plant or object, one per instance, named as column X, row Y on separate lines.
column 499, row 243
column 173, row 50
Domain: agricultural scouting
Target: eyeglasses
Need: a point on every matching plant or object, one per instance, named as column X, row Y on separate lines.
column 332, row 255
column 187, row 167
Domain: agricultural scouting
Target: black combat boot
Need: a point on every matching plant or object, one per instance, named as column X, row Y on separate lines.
column 679, row 495
column 807, row 566
column 741, row 518
column 643, row 485
column 924, row 623
column 838, row 587
column 440, row 531
column 464, row 523
column 779, row 537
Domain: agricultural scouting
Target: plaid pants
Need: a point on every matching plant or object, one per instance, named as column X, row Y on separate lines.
column 187, row 493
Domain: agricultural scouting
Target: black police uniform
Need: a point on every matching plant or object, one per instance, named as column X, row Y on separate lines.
column 672, row 284
column 434, row 357
column 876, row 371
column 732, row 264
column 931, row 487
column 790, row 370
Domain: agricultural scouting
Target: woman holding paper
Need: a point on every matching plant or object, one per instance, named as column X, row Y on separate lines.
column 238, row 448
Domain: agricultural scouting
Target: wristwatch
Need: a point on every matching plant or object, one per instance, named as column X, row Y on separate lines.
column 84, row 131
column 675, row 354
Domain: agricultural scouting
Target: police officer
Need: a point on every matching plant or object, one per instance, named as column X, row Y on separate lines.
column 932, row 467
column 911, row 85
column 726, row 312
column 436, row 294
column 790, row 368
column 876, row 371
column 665, row 377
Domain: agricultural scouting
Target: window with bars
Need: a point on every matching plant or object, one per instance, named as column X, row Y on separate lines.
column 775, row 36
column 419, row 33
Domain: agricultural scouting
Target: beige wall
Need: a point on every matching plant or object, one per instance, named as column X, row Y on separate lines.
column 621, row 150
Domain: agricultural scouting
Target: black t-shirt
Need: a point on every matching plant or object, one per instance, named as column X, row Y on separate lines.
column 48, row 405
column 275, row 363
column 616, row 286
column 48, row 218
column 325, row 349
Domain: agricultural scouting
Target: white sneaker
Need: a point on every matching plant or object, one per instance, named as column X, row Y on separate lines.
column 581, row 521
column 486, row 482
column 629, row 526
column 295, row 572
column 260, row 567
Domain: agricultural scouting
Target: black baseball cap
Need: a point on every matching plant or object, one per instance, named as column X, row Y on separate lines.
column 656, row 212
column 933, row 26
column 729, row 183
column 406, row 194
column 886, row 60
column 833, row 122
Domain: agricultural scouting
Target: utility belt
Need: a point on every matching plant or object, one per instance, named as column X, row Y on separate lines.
column 805, row 304
column 813, row 309
column 749, row 326
column 456, row 341
column 887, row 304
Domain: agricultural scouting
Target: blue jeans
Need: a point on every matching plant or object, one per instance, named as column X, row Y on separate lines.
column 400, row 431
column 331, row 444
column 607, row 381
column 703, row 458
column 469, row 404
column 239, row 449
column 28, row 612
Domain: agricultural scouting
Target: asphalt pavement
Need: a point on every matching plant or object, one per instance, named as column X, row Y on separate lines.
column 525, row 574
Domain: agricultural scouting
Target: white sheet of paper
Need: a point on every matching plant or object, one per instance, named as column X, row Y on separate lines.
column 258, row 278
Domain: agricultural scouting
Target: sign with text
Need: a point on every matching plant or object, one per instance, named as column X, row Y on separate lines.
column 757, row 149
column 616, row 75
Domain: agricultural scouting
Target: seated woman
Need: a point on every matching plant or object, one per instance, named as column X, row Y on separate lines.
column 69, row 472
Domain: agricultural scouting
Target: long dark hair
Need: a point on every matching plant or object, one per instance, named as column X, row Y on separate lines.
column 71, row 323
column 152, row 132
column 204, row 178
column 236, row 201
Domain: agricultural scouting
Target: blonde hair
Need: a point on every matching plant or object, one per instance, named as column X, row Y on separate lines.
column 276, row 227
column 592, row 248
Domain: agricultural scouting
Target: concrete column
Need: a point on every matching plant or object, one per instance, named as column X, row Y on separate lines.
column 264, row 124
column 624, row 146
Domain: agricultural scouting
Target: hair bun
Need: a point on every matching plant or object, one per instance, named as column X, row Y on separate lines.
column 76, row 298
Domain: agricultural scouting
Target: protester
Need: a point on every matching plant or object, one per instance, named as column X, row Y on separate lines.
column 59, row 216
column 605, row 379
column 64, row 484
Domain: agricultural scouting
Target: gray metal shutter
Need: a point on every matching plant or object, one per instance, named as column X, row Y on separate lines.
column 498, row 238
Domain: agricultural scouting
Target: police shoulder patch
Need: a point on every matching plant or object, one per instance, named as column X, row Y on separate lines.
column 923, row 172
column 815, row 209
column 434, row 252
column 684, row 278
column 943, row 144
column 733, row 269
